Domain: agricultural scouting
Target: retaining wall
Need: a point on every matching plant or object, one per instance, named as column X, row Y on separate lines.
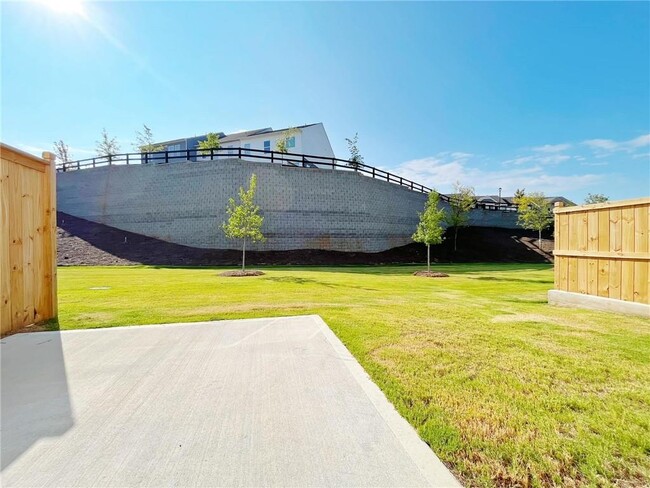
column 303, row 208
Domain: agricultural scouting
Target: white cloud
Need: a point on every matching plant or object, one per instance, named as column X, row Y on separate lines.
column 602, row 163
column 442, row 171
column 538, row 159
column 640, row 141
column 552, row 148
column 606, row 144
column 609, row 145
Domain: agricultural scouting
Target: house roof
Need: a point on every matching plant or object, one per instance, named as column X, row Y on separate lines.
column 235, row 136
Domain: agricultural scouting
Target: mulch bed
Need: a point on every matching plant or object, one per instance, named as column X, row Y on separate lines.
column 81, row 242
column 431, row 274
column 252, row 272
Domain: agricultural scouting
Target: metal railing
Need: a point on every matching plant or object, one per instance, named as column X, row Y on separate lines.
column 285, row 159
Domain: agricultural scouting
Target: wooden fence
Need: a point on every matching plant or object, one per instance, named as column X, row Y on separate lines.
column 603, row 249
column 27, row 238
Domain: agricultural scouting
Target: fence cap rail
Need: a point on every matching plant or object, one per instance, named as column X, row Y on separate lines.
column 594, row 206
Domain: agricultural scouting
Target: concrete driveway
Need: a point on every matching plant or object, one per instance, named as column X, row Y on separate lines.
column 264, row 402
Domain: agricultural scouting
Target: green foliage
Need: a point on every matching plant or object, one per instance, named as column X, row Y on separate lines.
column 460, row 204
column 356, row 159
column 430, row 230
column 211, row 142
column 519, row 194
column 244, row 221
column 596, row 198
column 145, row 142
column 535, row 213
column 107, row 146
column 282, row 143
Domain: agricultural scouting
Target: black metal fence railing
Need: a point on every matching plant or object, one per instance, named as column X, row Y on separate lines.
column 285, row 159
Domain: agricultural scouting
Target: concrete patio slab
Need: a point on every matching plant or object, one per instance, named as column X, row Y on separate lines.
column 263, row 402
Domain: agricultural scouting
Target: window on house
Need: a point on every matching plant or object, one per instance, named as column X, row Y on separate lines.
column 247, row 147
column 267, row 146
column 291, row 142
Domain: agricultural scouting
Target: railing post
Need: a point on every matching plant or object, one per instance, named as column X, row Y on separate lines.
column 239, row 152
column 127, row 159
column 272, row 156
column 166, row 156
column 303, row 161
column 411, row 185
column 188, row 154
column 373, row 172
column 211, row 154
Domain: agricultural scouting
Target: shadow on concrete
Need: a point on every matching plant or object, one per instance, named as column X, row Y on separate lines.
column 35, row 401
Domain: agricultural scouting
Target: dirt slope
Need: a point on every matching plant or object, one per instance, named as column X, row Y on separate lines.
column 81, row 242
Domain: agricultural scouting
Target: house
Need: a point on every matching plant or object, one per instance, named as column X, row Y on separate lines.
column 308, row 139
column 507, row 204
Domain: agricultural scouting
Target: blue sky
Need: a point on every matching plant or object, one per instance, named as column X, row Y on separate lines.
column 553, row 97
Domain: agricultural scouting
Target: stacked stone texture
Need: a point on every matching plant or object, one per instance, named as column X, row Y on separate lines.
column 304, row 208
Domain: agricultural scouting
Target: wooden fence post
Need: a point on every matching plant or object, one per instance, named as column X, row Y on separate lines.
column 50, row 241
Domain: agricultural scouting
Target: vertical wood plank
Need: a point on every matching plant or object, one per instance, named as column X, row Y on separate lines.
column 574, row 224
column 627, row 245
column 582, row 242
column 5, row 267
column 40, row 291
column 615, row 245
column 563, row 244
column 603, row 245
column 592, row 245
column 16, row 246
column 641, row 244
column 49, row 261
column 29, row 180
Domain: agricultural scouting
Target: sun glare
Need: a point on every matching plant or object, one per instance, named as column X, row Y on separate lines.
column 66, row 6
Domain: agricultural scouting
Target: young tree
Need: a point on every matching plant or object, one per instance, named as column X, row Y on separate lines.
column 460, row 203
column 282, row 144
column 62, row 153
column 519, row 194
column 596, row 198
column 244, row 220
column 430, row 230
column 107, row 146
column 211, row 142
column 535, row 213
column 145, row 142
column 356, row 159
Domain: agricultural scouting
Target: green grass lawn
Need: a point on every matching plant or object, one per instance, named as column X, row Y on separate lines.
column 507, row 390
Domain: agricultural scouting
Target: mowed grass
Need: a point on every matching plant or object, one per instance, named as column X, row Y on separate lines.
column 506, row 389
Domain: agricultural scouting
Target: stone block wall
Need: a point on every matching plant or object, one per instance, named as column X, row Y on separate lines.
column 303, row 208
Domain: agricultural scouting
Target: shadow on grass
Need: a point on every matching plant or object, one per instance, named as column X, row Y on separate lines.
column 387, row 269
column 297, row 280
column 516, row 280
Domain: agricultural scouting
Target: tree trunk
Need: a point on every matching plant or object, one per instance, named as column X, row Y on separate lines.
column 539, row 238
column 428, row 258
column 243, row 257
column 455, row 237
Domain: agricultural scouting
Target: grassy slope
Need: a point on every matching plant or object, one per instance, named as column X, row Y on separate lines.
column 506, row 389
